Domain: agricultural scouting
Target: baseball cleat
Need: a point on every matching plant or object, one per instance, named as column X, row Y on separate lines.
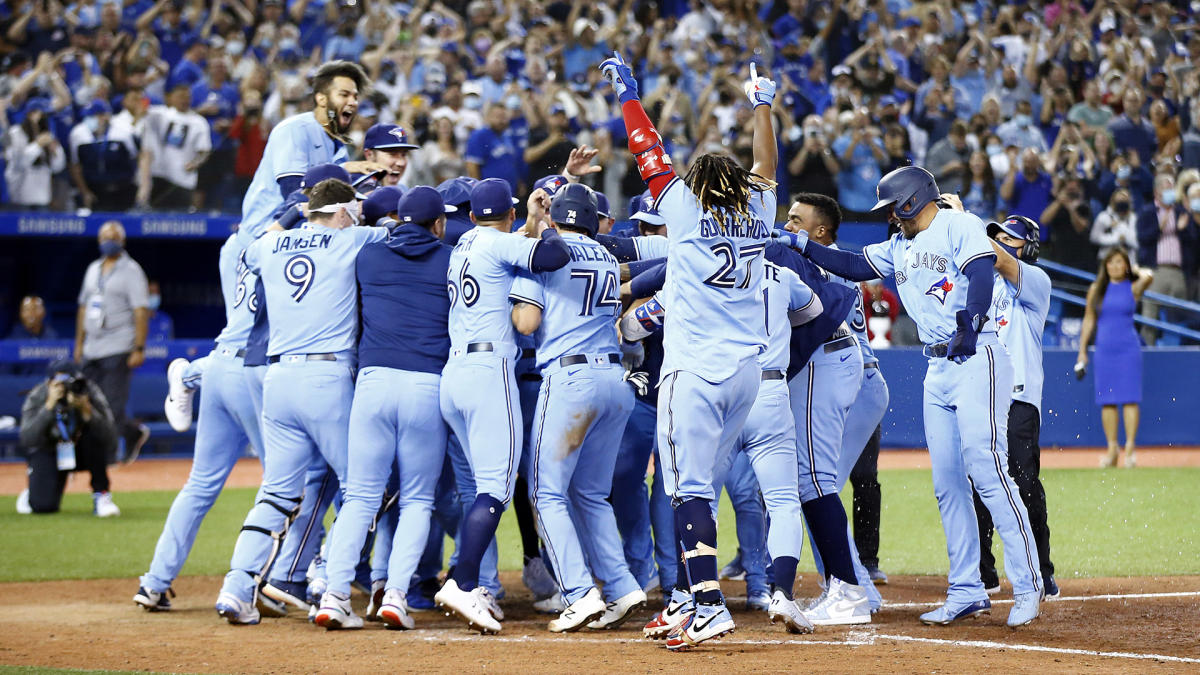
column 758, row 601
column 537, row 579
column 153, row 601
column 618, row 611
column 103, row 506
column 393, row 610
column 316, row 588
column 377, row 589
column 1052, row 591
column 675, row 613
column 294, row 593
column 467, row 606
column 788, row 613
column 948, row 614
column 235, row 610
column 551, row 605
column 707, row 622
column 490, row 602
column 877, row 576
column 579, row 613
column 178, row 404
column 734, row 570
column 335, row 613
column 844, row 604
column 1026, row 608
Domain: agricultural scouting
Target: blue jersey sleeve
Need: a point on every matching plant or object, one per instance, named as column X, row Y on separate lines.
column 800, row 296
column 289, row 156
column 650, row 281
column 529, row 289
column 652, row 246
column 1033, row 288
column 251, row 257
column 368, row 235
column 880, row 255
column 968, row 239
column 478, row 147
column 515, row 250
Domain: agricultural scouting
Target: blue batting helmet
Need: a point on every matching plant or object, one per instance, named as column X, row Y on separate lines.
column 575, row 205
column 907, row 190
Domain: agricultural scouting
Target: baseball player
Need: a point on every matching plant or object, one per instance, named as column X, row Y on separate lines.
column 395, row 416
column 719, row 215
column 581, row 413
column 312, row 298
column 386, row 146
column 944, row 266
column 479, row 401
column 819, row 217
column 456, row 192
column 768, row 439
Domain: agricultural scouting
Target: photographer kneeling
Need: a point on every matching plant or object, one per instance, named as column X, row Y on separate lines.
column 66, row 426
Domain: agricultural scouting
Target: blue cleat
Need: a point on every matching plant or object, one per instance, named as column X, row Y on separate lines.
column 1026, row 608
column 948, row 614
column 1052, row 591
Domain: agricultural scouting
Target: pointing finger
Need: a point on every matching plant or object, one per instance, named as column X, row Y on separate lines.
column 753, row 71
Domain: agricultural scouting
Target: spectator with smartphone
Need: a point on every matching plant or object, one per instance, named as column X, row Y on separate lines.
column 32, row 156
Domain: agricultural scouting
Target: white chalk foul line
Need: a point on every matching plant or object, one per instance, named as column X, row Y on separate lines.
column 1065, row 598
column 1037, row 648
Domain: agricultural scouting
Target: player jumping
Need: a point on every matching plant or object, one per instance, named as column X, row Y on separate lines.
column 719, row 215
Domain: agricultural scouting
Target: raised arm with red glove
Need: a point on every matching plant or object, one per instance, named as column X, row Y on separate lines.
column 653, row 162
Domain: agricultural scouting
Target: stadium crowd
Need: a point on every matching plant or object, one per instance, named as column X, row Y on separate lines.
column 1078, row 115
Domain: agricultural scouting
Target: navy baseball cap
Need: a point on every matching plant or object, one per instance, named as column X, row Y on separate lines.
column 1012, row 226
column 575, row 205
column 421, row 204
column 645, row 210
column 886, row 100
column 551, row 184
column 601, row 204
column 457, row 190
column 491, row 199
column 322, row 172
column 65, row 367
column 387, row 137
column 381, row 202
column 96, row 107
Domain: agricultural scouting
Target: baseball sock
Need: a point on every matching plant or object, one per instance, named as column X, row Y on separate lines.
column 784, row 570
column 478, row 530
column 697, row 528
column 681, row 574
column 826, row 518
column 525, row 523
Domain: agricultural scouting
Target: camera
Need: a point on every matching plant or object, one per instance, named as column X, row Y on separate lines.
column 73, row 385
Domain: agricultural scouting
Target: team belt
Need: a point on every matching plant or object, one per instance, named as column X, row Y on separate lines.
column 840, row 344
column 840, row 333
column 527, row 353
column 578, row 359
column 772, row 375
column 529, row 377
column 305, row 357
column 480, row 347
column 230, row 351
column 938, row 351
column 868, row 366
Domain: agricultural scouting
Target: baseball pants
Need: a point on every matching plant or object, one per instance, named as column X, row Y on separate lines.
column 749, row 513
column 821, row 396
column 228, row 421
column 581, row 414
column 390, row 421
column 480, row 403
column 966, row 428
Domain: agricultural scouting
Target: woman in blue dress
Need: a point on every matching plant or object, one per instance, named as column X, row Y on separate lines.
column 1111, row 303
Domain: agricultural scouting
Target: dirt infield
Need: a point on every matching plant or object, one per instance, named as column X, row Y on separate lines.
column 94, row 624
column 170, row 474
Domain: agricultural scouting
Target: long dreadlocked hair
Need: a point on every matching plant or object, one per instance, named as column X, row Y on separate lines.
column 721, row 184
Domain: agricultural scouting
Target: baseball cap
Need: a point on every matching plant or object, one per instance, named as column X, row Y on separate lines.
column 886, row 100
column 421, row 204
column 64, row 366
column 322, row 172
column 381, row 202
column 557, row 109
column 456, row 190
column 1014, row 227
column 643, row 208
column 97, row 107
column 575, row 205
column 491, row 199
column 601, row 204
column 841, row 70
column 551, row 184
column 387, row 137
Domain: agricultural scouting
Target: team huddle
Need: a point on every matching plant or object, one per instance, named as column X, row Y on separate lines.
column 389, row 352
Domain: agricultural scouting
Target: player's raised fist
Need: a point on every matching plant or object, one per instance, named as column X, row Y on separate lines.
column 621, row 78
column 759, row 90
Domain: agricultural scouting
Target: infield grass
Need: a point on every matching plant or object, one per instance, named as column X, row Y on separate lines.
column 1102, row 523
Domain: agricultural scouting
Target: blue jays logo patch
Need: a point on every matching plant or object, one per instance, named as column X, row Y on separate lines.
column 1002, row 322
column 940, row 289
column 399, row 133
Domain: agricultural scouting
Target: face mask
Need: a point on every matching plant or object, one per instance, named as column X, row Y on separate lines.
column 473, row 102
column 1022, row 120
column 235, row 48
column 110, row 248
column 1121, row 207
column 92, row 124
column 1123, row 172
column 513, row 102
column 820, row 24
column 994, row 149
column 1168, row 197
column 482, row 45
column 794, row 134
column 1011, row 251
column 154, row 302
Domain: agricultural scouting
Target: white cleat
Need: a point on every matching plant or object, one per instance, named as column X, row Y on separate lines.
column 579, row 613
column 178, row 406
column 236, row 611
column 844, row 604
column 618, row 611
column 675, row 613
column 490, row 602
column 393, row 610
column 377, row 590
column 788, row 613
column 103, row 506
column 551, row 605
column 468, row 606
column 335, row 613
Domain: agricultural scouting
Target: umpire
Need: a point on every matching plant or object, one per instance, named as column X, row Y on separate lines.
column 66, row 426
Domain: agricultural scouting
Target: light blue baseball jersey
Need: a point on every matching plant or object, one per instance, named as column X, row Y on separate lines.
column 782, row 292
column 1019, row 311
column 482, row 268
column 580, row 302
column 858, row 316
column 651, row 246
column 312, row 294
column 240, row 299
column 928, row 270
column 714, row 272
column 295, row 145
